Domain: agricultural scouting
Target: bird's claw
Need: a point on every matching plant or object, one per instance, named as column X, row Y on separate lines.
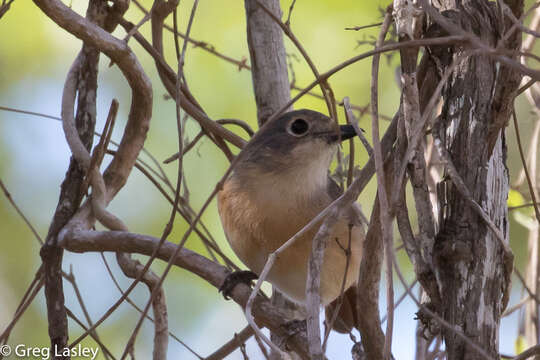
column 233, row 279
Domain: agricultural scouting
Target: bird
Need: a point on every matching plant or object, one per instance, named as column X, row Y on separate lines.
column 279, row 184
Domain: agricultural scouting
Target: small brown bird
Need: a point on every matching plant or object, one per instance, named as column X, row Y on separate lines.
column 279, row 185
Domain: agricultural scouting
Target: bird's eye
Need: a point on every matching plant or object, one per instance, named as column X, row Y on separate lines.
column 299, row 127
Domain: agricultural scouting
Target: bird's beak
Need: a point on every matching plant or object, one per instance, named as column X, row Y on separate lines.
column 346, row 132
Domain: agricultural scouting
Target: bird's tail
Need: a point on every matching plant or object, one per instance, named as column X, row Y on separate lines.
column 347, row 316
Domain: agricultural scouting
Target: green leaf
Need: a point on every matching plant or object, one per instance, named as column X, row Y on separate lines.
column 515, row 198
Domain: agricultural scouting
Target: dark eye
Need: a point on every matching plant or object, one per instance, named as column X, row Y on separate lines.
column 299, row 127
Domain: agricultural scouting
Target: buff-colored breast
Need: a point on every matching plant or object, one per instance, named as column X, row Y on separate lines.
column 257, row 221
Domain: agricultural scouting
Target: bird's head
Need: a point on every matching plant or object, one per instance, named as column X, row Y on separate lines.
column 301, row 143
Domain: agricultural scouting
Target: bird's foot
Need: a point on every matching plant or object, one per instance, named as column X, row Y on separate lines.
column 235, row 278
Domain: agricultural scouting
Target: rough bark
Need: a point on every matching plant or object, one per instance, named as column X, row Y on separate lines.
column 471, row 266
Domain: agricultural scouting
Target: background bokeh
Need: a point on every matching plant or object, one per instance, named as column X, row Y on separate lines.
column 35, row 55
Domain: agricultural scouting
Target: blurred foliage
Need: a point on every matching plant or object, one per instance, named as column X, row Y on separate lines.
column 33, row 156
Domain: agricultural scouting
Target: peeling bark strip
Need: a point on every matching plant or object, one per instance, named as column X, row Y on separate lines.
column 471, row 267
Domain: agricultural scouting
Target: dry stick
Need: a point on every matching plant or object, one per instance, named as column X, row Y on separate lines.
column 261, row 346
column 386, row 221
column 408, row 20
column 161, row 174
column 230, row 346
column 4, row 7
column 38, row 275
column 291, row 8
column 5, row 108
column 175, row 37
column 357, row 28
column 240, row 123
column 136, row 28
column 515, row 307
column 124, row 260
column 354, row 122
column 188, row 147
column 68, row 203
column 350, row 119
column 525, row 169
column 129, row 301
column 526, row 86
column 510, row 208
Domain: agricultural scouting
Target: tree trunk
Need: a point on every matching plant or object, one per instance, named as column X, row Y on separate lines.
column 471, row 264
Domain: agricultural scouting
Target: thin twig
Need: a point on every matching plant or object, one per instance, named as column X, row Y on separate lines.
column 386, row 222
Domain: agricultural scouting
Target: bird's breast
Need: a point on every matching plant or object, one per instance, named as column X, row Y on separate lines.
column 257, row 221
